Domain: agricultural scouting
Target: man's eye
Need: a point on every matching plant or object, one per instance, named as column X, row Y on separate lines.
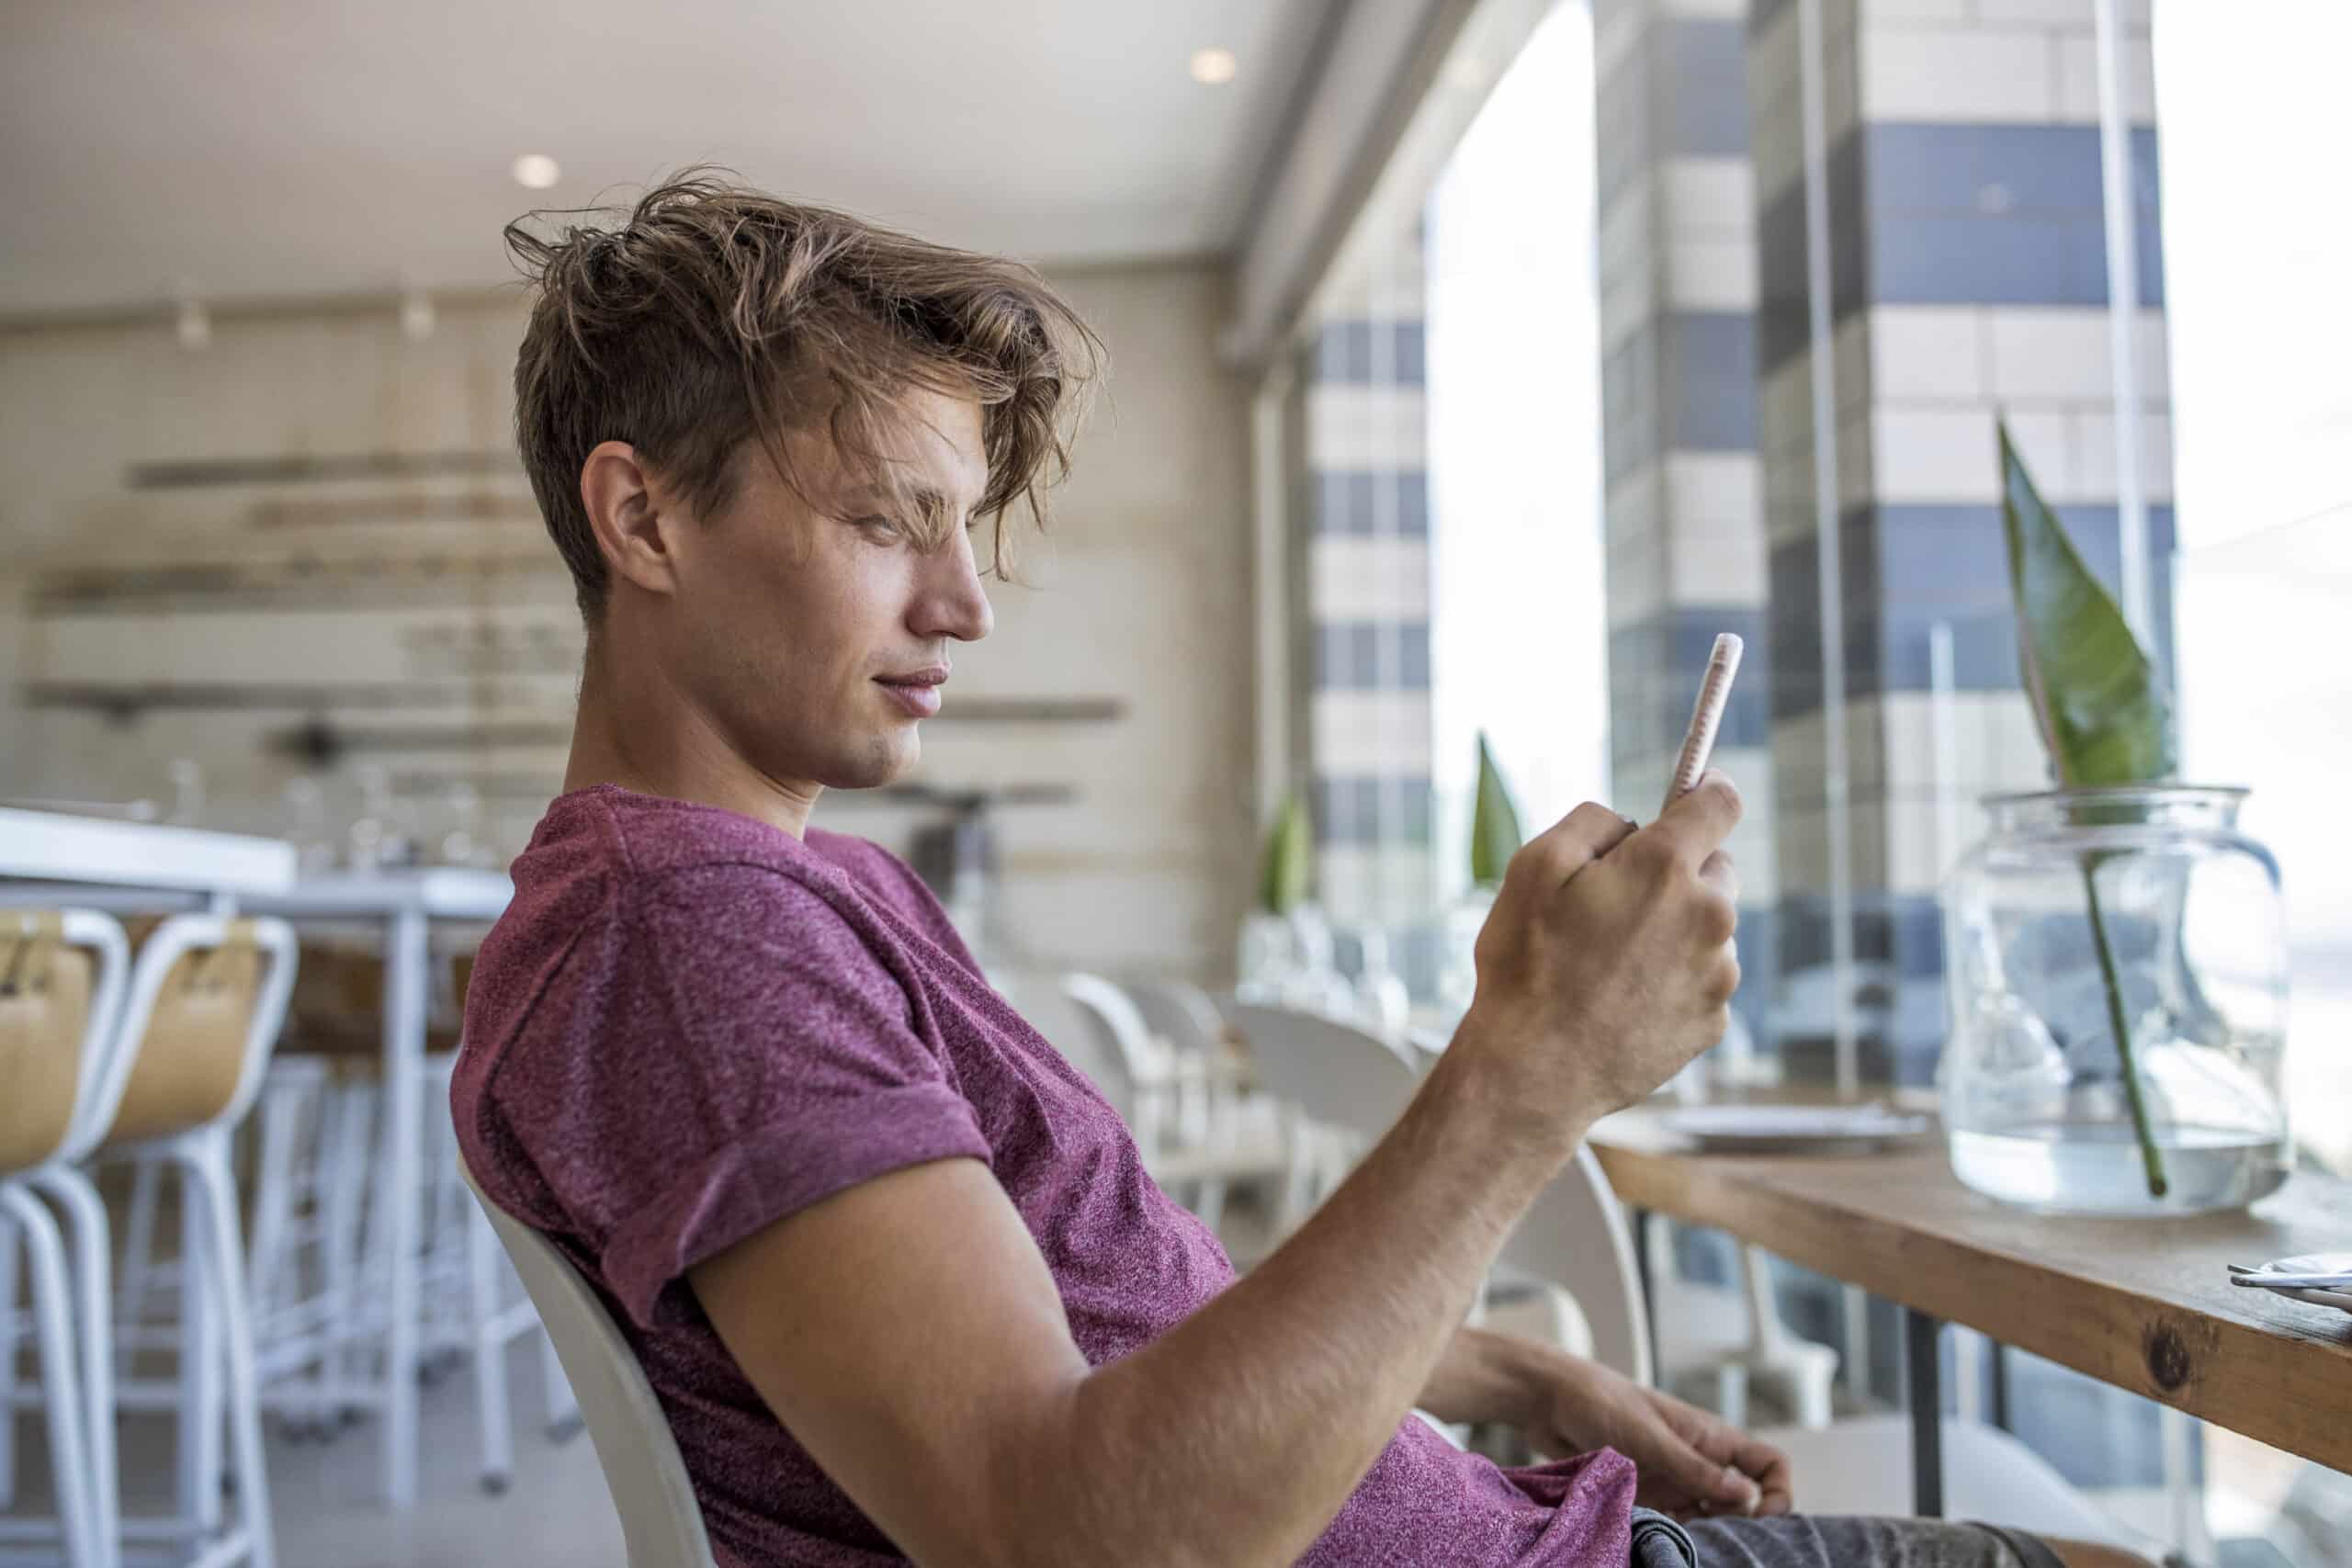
column 878, row 525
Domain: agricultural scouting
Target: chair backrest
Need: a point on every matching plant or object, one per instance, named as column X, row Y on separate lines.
column 1179, row 1012
column 61, row 978
column 1575, row 1235
column 1134, row 1064
column 661, row 1522
column 1338, row 1073
column 206, row 1000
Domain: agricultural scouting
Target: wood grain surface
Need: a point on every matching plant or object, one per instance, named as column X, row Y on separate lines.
column 2144, row 1305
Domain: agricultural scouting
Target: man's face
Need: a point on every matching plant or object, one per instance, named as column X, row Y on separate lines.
column 814, row 634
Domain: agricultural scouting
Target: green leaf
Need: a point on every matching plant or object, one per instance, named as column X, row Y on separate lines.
column 1494, row 826
column 1287, row 870
column 2104, row 716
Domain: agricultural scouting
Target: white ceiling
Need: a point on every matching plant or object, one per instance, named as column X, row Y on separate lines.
column 274, row 148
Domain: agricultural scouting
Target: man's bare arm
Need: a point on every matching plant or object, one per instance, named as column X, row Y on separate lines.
column 909, row 1335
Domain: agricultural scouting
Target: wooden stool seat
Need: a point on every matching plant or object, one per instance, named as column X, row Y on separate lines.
column 192, row 1058
column 45, row 989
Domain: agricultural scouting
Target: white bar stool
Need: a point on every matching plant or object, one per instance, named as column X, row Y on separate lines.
column 61, row 978
column 207, row 998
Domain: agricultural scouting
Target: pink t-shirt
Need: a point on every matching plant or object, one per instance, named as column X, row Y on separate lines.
column 691, row 1024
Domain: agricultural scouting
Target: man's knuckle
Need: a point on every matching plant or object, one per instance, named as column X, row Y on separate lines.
column 1718, row 919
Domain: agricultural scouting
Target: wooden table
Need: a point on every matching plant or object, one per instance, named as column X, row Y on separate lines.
column 2143, row 1304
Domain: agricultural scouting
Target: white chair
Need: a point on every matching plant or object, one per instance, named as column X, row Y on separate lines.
column 1197, row 1137
column 654, row 1497
column 207, row 996
column 63, row 974
column 1716, row 1342
column 467, row 1315
column 1572, row 1238
column 1345, row 1077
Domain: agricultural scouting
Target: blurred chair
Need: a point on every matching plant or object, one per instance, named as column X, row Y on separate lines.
column 660, row 1520
column 1575, row 1236
column 208, row 997
column 63, row 974
column 1727, row 1339
column 1197, row 1134
column 1342, row 1075
column 201, row 1007
column 466, row 1316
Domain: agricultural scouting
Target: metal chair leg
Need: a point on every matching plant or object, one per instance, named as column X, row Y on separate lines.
column 137, row 1254
column 7, row 1363
column 212, row 1192
column 483, row 1260
column 86, row 1214
column 53, row 1320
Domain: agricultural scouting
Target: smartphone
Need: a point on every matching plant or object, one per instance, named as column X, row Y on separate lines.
column 1706, row 717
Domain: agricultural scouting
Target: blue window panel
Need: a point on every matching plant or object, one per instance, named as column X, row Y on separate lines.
column 1343, row 501
column 1933, row 214
column 1346, row 353
column 1409, row 354
column 1349, row 501
column 1622, row 123
column 1413, row 502
column 1655, row 666
column 1783, row 303
column 1629, row 403
column 1348, row 656
column 1710, row 380
column 1360, row 808
column 1978, row 259
column 1408, row 811
column 1701, row 65
column 1412, row 655
column 1907, row 567
column 1343, row 352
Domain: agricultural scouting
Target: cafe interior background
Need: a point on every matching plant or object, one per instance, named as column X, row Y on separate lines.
column 1464, row 384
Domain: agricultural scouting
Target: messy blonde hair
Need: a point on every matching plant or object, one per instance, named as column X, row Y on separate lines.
column 710, row 316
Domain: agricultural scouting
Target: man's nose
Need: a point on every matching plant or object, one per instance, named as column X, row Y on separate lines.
column 953, row 603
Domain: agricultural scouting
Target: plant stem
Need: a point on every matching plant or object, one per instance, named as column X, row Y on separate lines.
column 2150, row 1155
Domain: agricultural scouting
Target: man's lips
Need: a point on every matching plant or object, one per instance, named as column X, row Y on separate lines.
column 917, row 691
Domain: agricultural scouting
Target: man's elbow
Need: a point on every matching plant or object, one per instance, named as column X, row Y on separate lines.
column 1078, row 1487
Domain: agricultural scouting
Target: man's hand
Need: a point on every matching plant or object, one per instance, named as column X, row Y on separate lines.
column 1606, row 962
column 1693, row 1464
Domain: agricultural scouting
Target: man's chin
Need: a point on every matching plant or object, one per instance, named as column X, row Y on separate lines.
column 886, row 761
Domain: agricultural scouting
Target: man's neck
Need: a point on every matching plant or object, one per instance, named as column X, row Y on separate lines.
column 638, row 730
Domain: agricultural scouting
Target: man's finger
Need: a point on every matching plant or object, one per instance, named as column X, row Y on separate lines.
column 1575, row 842
column 1769, row 1469
column 1718, row 872
column 1708, row 1481
column 1698, row 822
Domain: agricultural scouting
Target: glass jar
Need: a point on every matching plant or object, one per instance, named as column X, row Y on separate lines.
column 2141, row 903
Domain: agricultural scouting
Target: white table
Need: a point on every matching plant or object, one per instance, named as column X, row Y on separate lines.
column 405, row 902
column 53, row 858
column 47, row 846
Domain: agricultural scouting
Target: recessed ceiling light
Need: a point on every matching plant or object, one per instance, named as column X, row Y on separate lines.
column 536, row 171
column 193, row 326
column 417, row 316
column 1214, row 66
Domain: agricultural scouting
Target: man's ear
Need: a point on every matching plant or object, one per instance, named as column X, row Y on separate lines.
column 631, row 522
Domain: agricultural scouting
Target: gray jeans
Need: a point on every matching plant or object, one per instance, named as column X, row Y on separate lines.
column 1804, row 1540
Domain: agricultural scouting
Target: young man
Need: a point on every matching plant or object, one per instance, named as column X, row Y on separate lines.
column 892, row 1266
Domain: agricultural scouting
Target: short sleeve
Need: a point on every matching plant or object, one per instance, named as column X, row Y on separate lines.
column 758, row 1056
